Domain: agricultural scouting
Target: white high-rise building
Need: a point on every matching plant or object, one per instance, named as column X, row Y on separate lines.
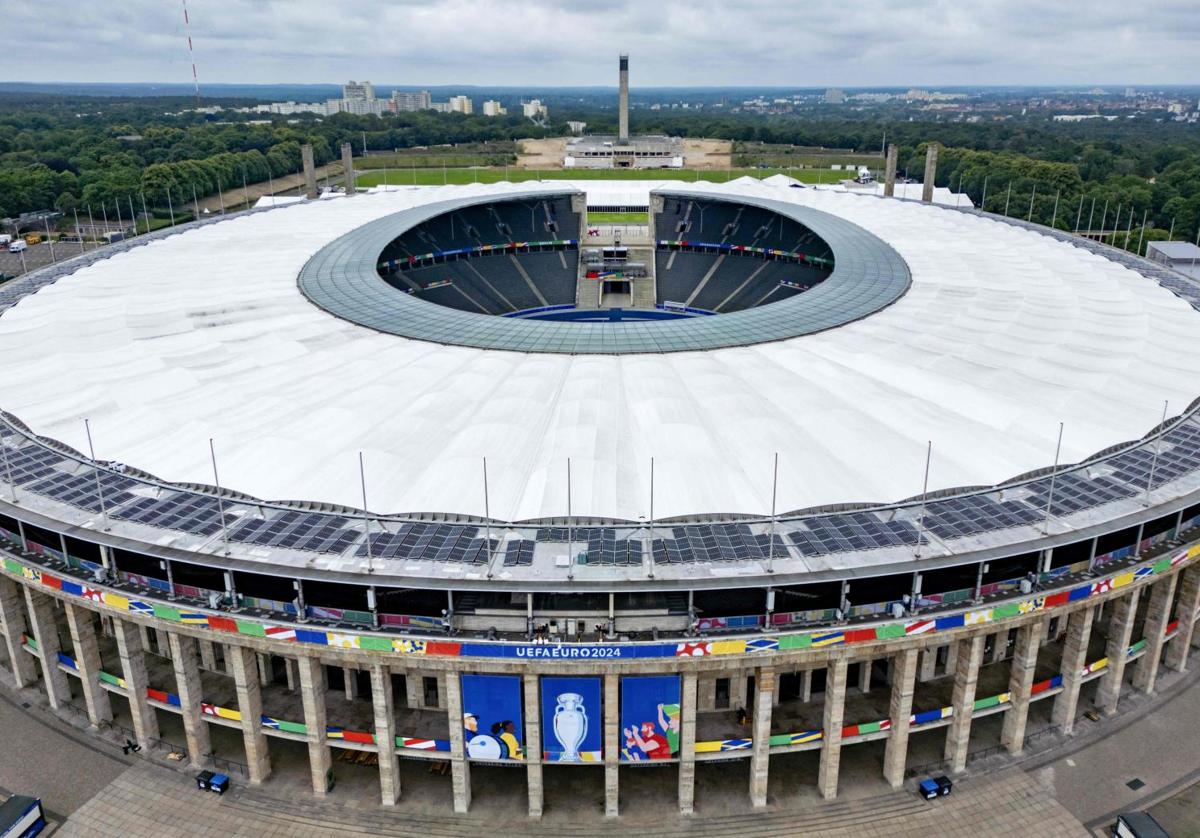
column 535, row 109
column 493, row 108
column 461, row 104
column 404, row 101
column 358, row 90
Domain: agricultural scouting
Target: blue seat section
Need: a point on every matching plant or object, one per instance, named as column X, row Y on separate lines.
column 687, row 269
column 738, row 280
column 491, row 282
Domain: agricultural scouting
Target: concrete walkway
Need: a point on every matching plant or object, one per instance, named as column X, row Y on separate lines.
column 146, row 801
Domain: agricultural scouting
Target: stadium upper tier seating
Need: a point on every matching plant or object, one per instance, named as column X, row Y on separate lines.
column 724, row 282
column 492, row 282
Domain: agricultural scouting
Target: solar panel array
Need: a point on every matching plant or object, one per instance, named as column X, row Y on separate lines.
column 716, row 543
column 430, row 542
column 973, row 514
column 87, row 491
column 297, row 530
column 1074, row 491
column 603, row 544
column 849, row 532
column 197, row 514
column 519, row 552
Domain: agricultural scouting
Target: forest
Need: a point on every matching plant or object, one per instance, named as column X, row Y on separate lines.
column 72, row 152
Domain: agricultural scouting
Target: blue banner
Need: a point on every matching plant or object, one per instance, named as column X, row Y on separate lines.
column 568, row 651
column 649, row 717
column 572, row 720
column 493, row 727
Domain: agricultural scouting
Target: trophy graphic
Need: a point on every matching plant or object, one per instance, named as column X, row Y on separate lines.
column 570, row 725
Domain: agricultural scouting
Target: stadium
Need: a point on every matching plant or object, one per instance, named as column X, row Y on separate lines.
column 453, row 476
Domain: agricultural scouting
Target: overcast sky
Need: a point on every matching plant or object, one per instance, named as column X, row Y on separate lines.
column 540, row 43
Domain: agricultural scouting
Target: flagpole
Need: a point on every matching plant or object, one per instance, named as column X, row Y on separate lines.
column 774, row 495
column 212, row 451
column 924, row 497
column 570, row 526
column 487, row 514
column 651, row 517
column 362, row 477
column 87, row 426
column 1154, row 461
column 1053, row 475
column 7, row 465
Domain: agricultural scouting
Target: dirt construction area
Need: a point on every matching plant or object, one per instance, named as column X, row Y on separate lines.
column 707, row 154
column 541, row 154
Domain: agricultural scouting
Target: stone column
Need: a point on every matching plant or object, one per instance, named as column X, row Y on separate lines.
column 895, row 755
column 966, row 676
column 414, row 689
column 1185, row 612
column 806, row 686
column 928, row 667
column 1000, row 646
column 460, row 768
column 612, row 743
column 831, row 740
column 533, row 744
column 310, row 172
column 1120, row 630
column 385, row 733
column 1158, row 614
column 687, row 744
column 45, row 634
column 1074, row 658
column 951, row 658
column 350, row 682
column 293, row 674
column 1024, row 664
column 87, row 659
column 864, row 677
column 208, row 655
column 12, row 620
column 760, row 755
column 264, row 670
column 241, row 661
column 312, row 694
column 351, row 188
column 133, row 670
column 185, row 657
column 931, row 156
column 889, row 172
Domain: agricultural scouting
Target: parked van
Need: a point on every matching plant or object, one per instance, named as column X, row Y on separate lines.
column 17, row 246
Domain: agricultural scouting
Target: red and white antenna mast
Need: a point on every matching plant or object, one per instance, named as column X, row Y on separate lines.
column 187, row 24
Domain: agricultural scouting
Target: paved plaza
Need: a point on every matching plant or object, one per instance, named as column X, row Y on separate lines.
column 1074, row 789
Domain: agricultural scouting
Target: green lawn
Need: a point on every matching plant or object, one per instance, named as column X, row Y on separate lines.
column 618, row 218
column 434, row 177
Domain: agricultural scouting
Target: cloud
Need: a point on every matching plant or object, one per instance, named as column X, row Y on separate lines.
column 540, row 43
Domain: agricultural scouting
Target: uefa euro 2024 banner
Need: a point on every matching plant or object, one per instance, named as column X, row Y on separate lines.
column 493, row 728
column 649, row 717
column 572, row 719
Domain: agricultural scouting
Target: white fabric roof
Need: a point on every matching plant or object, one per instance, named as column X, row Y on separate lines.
column 1003, row 334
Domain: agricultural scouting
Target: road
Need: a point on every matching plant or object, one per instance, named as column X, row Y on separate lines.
column 1140, row 760
column 37, row 752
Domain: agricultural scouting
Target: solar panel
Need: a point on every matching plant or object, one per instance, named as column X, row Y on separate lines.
column 199, row 514
column 519, row 553
column 80, row 489
column 297, row 530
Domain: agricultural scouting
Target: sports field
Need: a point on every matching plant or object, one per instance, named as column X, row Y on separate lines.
column 618, row 218
column 435, row 177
